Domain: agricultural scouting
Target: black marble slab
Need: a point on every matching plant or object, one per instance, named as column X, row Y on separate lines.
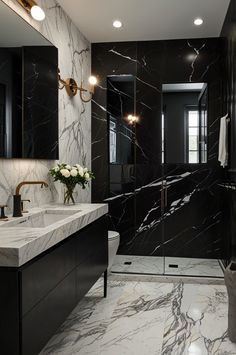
column 190, row 224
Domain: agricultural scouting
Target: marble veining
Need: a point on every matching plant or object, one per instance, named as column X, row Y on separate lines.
column 74, row 116
column 18, row 245
column 195, row 57
column 146, row 318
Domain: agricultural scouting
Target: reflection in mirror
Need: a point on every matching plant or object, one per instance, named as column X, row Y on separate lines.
column 184, row 123
column 28, row 90
column 120, row 104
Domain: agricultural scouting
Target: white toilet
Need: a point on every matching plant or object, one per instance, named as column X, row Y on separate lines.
column 113, row 245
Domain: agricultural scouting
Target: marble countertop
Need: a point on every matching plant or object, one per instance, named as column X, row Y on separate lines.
column 19, row 245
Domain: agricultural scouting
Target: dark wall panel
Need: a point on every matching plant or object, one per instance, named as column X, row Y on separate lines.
column 192, row 218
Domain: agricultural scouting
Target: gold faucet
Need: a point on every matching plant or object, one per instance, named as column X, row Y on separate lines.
column 42, row 183
column 17, row 210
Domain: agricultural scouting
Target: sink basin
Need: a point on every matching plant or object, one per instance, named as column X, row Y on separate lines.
column 41, row 219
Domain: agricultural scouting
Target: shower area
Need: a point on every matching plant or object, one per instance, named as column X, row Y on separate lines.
column 160, row 175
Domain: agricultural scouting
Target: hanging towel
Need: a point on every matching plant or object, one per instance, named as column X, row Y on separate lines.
column 223, row 141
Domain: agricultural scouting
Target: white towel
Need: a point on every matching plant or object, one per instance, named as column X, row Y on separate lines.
column 223, row 141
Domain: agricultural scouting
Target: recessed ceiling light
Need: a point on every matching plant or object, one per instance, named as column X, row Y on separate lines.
column 198, row 21
column 117, row 24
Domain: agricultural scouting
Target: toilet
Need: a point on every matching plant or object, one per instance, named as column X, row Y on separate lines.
column 113, row 245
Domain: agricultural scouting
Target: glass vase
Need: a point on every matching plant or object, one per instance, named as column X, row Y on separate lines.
column 68, row 195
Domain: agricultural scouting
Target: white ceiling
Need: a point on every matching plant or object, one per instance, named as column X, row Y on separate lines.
column 146, row 19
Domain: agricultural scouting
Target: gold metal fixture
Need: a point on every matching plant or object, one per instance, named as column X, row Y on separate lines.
column 42, row 183
column 32, row 8
column 164, row 195
column 27, row 4
column 72, row 88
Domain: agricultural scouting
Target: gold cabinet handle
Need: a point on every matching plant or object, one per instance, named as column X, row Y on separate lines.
column 166, row 196
column 162, row 199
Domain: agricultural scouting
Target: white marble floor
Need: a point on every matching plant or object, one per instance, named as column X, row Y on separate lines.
column 147, row 318
column 158, row 266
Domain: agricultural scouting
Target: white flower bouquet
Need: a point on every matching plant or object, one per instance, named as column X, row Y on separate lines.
column 70, row 176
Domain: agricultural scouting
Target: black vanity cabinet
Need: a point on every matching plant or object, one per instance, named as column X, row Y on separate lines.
column 37, row 297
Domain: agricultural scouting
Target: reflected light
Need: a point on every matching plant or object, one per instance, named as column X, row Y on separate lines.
column 194, row 349
column 191, row 57
column 132, row 119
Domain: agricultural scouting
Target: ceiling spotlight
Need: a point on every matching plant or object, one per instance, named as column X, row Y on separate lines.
column 31, row 7
column 117, row 24
column 198, row 21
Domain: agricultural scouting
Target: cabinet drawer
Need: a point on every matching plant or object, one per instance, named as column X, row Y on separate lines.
column 41, row 323
column 41, row 276
column 91, row 239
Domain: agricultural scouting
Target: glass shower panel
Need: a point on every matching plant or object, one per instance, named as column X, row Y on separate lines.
column 190, row 225
column 135, row 197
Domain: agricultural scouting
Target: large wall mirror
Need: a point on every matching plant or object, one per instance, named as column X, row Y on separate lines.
column 28, row 90
column 184, row 123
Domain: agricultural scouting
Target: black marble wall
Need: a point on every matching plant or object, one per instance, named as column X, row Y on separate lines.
column 29, row 102
column 191, row 223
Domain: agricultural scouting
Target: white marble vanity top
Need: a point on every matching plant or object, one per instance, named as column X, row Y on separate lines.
column 19, row 244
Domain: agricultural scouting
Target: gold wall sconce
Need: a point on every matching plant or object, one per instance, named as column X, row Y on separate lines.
column 32, row 8
column 72, row 88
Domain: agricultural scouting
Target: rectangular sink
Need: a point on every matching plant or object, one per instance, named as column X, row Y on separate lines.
column 40, row 220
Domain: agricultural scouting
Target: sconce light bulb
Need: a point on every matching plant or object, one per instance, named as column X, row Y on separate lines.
column 92, row 80
column 37, row 13
column 132, row 119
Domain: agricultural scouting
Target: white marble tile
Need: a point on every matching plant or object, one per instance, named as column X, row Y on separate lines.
column 86, row 325
column 74, row 115
column 160, row 265
column 147, row 318
column 193, row 267
column 199, row 280
column 197, row 322
column 139, row 264
column 137, row 323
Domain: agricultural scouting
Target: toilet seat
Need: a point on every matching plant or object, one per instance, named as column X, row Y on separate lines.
column 113, row 235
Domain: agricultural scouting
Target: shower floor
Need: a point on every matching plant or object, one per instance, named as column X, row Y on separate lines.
column 169, row 266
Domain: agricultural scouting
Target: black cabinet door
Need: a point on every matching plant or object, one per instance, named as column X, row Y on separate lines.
column 42, row 275
column 92, row 239
column 90, row 270
column 41, row 323
column 9, row 313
